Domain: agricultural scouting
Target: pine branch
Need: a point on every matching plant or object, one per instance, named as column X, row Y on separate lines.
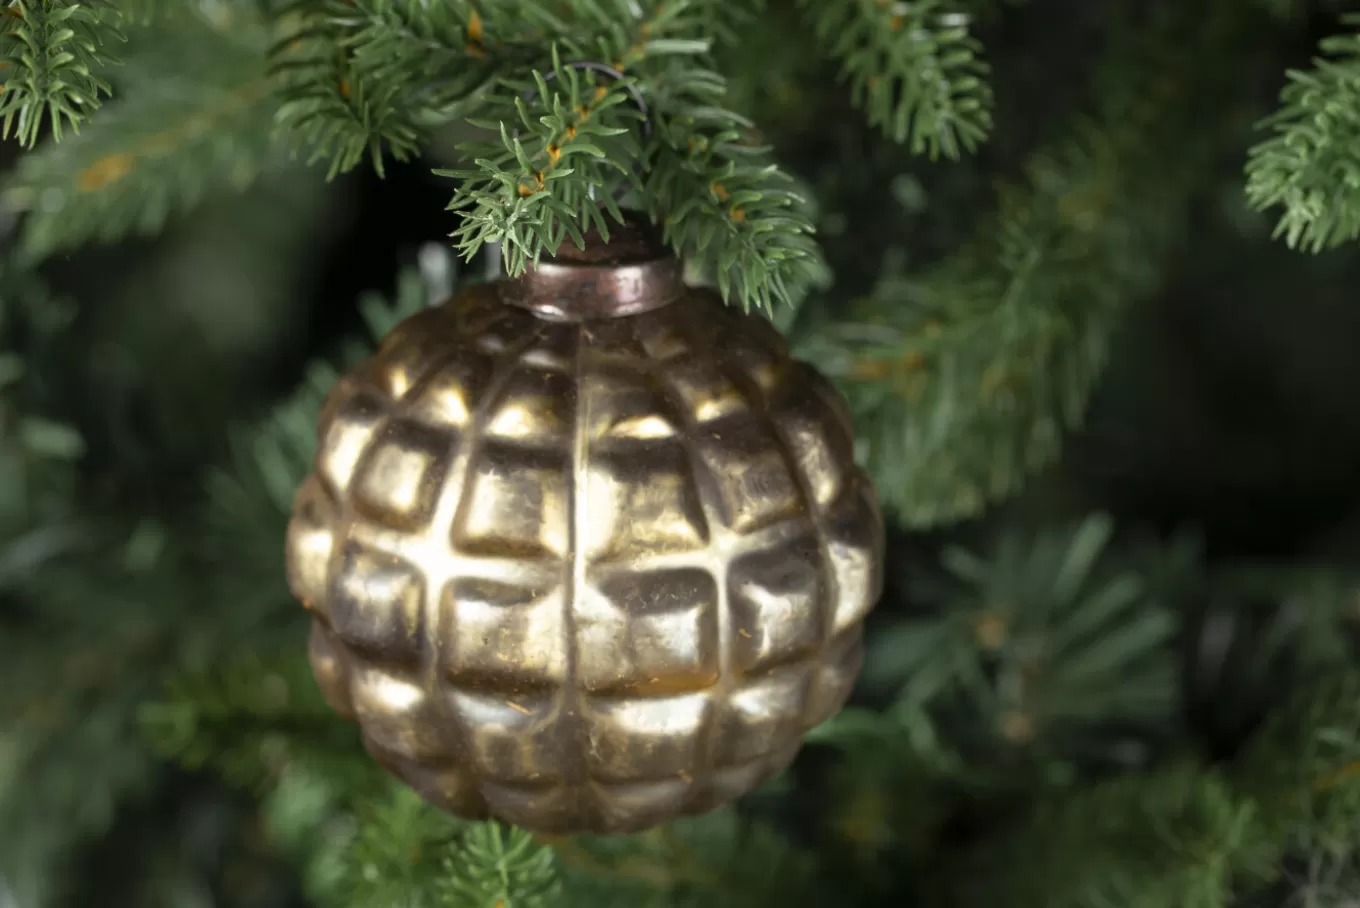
column 198, row 121
column 723, row 18
column 1310, row 167
column 408, row 854
column 533, row 189
column 724, row 203
column 1303, row 766
column 1319, row 881
column 1046, row 644
column 1180, row 837
column 306, row 818
column 253, row 718
column 395, row 859
column 579, row 128
column 269, row 462
column 1300, row 619
column 913, row 66
column 717, row 860
column 966, row 378
column 71, row 679
column 368, row 79
column 50, row 54
column 493, row 865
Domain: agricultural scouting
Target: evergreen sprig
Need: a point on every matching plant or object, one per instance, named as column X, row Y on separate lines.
column 553, row 171
column 914, row 67
column 1310, row 167
column 396, row 858
column 196, row 120
column 1304, row 766
column 725, row 204
column 494, row 866
column 408, row 854
column 1048, row 641
column 250, row 719
column 68, row 762
column 155, row 156
column 51, row 52
column 968, row 375
column 1178, row 836
column 571, row 140
column 369, row 79
column 721, row 859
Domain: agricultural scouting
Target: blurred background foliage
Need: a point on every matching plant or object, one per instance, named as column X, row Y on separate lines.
column 1119, row 550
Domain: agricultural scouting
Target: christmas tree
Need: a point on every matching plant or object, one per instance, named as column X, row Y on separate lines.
column 1077, row 269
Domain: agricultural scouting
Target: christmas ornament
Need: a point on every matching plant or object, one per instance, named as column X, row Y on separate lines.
column 586, row 549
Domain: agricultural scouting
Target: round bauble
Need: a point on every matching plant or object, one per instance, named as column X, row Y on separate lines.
column 586, row 549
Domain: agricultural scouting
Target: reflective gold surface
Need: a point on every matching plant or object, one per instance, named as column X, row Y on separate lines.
column 585, row 576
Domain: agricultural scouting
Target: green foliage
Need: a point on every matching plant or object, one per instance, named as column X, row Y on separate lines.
column 724, row 206
column 914, row 67
column 263, row 725
column 530, row 192
column 253, row 496
column 967, row 376
column 495, row 866
column 349, row 82
column 410, row 855
column 396, row 856
column 38, row 453
column 718, row 860
column 1309, row 610
column 250, row 496
column 976, row 769
column 196, row 121
column 1049, row 643
column 360, row 80
column 65, row 761
column 77, row 677
column 1180, row 836
column 251, row 720
column 571, row 140
column 1310, row 166
column 1304, row 766
column 1322, row 882
column 50, row 54
column 73, row 681
column 305, row 817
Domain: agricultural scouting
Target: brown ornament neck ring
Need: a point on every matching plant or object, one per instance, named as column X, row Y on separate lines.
column 629, row 274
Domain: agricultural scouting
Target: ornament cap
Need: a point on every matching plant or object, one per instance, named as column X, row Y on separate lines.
column 632, row 272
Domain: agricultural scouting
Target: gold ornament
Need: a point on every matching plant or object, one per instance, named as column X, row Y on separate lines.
column 586, row 550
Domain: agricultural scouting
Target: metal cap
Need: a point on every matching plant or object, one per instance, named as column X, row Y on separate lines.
column 633, row 272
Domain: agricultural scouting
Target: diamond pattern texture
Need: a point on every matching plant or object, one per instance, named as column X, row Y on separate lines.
column 585, row 577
